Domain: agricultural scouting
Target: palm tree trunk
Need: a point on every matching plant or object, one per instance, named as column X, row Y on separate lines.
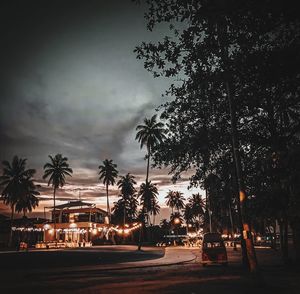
column 54, row 213
column 231, row 220
column 140, row 237
column 284, row 239
column 148, row 165
column 11, row 225
column 107, row 200
column 124, row 216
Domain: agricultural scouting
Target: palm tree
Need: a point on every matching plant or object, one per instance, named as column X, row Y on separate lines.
column 126, row 185
column 179, row 200
column 119, row 211
column 150, row 134
column 56, row 170
column 155, row 209
column 188, row 215
column 174, row 217
column 148, row 194
column 108, row 174
column 28, row 199
column 197, row 205
column 176, row 221
column 175, row 199
column 12, row 180
column 170, row 199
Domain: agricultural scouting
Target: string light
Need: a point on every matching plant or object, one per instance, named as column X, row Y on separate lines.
column 31, row 229
column 74, row 229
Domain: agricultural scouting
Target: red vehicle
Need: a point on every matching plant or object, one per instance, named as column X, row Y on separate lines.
column 213, row 249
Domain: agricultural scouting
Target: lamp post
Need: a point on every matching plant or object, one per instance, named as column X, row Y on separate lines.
column 210, row 213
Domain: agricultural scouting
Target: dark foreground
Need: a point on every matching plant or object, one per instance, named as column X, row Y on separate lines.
column 159, row 277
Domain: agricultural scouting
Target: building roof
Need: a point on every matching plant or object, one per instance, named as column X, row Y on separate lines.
column 77, row 203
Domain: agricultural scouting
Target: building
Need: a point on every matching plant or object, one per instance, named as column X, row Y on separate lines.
column 77, row 223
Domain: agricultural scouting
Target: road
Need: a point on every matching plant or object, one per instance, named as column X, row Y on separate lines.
column 177, row 271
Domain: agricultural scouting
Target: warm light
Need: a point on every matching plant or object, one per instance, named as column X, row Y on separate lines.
column 51, row 231
column 47, row 227
column 258, row 238
column 192, row 235
column 94, row 231
column 242, row 196
column 176, row 220
column 73, row 225
column 126, row 231
column 189, row 225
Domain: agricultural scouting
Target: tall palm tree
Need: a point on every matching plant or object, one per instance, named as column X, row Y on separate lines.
column 12, row 180
column 56, row 170
column 149, row 134
column 108, row 174
column 28, row 199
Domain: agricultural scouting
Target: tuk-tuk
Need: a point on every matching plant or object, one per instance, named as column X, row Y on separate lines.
column 213, row 249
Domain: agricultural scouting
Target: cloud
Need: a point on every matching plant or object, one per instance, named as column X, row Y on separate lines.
column 75, row 87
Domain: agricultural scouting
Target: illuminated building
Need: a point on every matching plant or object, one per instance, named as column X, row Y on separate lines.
column 77, row 223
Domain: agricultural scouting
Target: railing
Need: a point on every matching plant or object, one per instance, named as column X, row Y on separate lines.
column 59, row 244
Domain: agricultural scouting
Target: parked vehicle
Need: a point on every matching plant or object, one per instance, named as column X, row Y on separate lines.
column 213, row 249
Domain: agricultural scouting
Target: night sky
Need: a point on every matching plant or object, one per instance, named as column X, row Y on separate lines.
column 71, row 84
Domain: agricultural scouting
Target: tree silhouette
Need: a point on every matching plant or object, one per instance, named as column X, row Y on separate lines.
column 148, row 195
column 16, row 181
column 197, row 206
column 108, row 174
column 56, row 170
column 150, row 134
column 28, row 199
column 126, row 207
column 170, row 200
column 231, row 56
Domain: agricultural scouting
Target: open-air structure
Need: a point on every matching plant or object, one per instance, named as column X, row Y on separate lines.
column 76, row 223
